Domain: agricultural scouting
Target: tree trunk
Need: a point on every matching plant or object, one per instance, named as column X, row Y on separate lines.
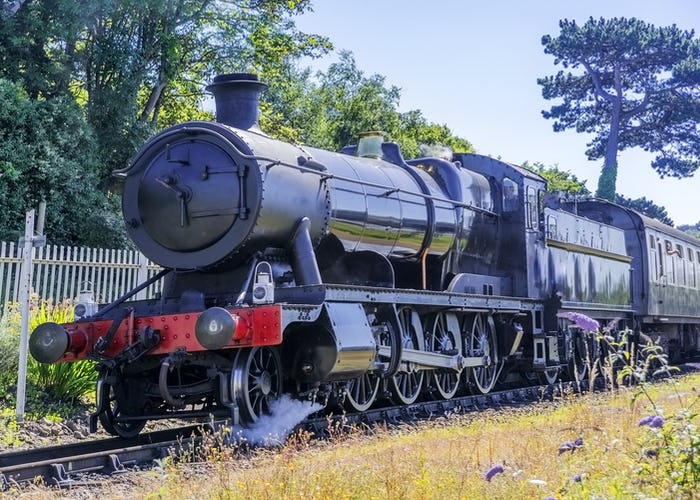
column 153, row 99
column 608, row 175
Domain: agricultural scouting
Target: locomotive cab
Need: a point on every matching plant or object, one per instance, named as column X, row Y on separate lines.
column 518, row 194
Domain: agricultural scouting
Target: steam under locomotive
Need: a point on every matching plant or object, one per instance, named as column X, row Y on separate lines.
column 357, row 277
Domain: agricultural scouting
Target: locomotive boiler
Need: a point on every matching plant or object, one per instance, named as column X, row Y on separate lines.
column 206, row 195
column 355, row 278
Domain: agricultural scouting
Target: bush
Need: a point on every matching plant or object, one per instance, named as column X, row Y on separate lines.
column 59, row 382
column 9, row 348
column 49, row 152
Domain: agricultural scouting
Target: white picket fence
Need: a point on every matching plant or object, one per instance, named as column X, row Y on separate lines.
column 61, row 272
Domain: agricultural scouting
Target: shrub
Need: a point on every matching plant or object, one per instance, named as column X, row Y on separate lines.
column 9, row 348
column 59, row 382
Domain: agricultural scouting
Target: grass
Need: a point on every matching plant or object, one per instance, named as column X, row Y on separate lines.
column 449, row 457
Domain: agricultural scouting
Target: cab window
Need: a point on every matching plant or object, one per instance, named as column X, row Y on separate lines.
column 510, row 195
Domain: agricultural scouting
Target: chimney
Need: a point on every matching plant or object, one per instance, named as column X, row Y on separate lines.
column 237, row 98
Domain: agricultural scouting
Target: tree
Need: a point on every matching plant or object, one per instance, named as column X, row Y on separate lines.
column 332, row 109
column 691, row 229
column 48, row 152
column 354, row 103
column 646, row 207
column 635, row 86
column 130, row 67
column 558, row 181
column 418, row 137
column 139, row 65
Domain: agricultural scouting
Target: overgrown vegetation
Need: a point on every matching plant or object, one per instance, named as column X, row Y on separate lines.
column 58, row 389
column 574, row 447
column 671, row 452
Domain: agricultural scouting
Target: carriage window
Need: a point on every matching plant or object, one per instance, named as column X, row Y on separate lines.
column 692, row 279
column 682, row 279
column 668, row 259
column 653, row 259
column 510, row 195
column 552, row 227
column 661, row 266
column 532, row 208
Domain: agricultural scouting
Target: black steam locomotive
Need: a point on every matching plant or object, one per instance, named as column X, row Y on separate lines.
column 357, row 277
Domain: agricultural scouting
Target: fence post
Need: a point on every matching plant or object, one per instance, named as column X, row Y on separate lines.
column 25, row 278
column 142, row 274
column 25, row 284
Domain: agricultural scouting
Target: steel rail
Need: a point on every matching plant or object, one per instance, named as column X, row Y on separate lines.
column 60, row 464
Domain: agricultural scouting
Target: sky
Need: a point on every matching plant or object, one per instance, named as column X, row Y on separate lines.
column 473, row 66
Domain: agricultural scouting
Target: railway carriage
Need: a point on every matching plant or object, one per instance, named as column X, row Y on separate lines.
column 665, row 275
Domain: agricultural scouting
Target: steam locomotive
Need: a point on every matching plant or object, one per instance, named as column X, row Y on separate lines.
column 357, row 277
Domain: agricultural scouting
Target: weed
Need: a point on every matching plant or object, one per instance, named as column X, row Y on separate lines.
column 53, row 387
column 670, row 451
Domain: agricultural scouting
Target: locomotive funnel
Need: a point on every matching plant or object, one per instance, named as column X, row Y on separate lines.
column 237, row 98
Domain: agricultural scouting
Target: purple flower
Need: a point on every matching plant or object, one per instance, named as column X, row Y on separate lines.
column 657, row 422
column 578, row 478
column 570, row 445
column 496, row 469
column 646, row 420
column 581, row 321
column 610, row 326
column 653, row 421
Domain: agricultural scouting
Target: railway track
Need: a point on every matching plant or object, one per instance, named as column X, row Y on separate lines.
column 64, row 465
column 70, row 465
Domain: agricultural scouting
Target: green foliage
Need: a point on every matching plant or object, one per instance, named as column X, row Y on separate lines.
column 65, row 382
column 48, row 152
column 9, row 349
column 95, row 79
column 415, row 134
column 354, row 103
column 630, row 84
column 691, row 229
column 558, row 181
column 646, row 207
column 331, row 111
column 607, row 182
column 139, row 65
column 62, row 383
column 670, row 452
column 678, row 452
